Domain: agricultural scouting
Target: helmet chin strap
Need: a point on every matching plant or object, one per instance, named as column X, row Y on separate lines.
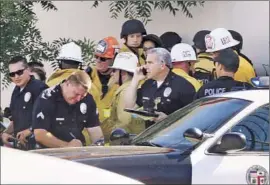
column 120, row 81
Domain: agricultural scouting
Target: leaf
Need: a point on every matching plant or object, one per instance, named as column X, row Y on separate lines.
column 143, row 9
column 96, row 3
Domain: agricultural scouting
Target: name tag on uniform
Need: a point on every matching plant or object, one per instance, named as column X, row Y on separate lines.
column 106, row 113
column 60, row 119
column 145, row 98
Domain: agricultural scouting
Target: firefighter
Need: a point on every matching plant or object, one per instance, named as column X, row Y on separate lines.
column 183, row 56
column 237, row 36
column 132, row 32
column 204, row 69
column 220, row 39
column 169, row 39
column 123, row 67
column 226, row 63
column 163, row 91
column 104, row 54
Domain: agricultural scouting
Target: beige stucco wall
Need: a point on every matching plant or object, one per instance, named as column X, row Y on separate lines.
column 77, row 20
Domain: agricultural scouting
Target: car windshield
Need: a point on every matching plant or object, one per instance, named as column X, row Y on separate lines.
column 207, row 114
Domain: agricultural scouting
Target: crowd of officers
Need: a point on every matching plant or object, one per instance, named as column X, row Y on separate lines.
column 78, row 107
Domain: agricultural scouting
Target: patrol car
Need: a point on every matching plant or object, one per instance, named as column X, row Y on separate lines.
column 20, row 167
column 218, row 139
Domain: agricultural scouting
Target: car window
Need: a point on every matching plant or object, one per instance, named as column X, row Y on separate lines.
column 256, row 129
column 207, row 114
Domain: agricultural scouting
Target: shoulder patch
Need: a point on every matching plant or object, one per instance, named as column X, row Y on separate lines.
column 47, row 93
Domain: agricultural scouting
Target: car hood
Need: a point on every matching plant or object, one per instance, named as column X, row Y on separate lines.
column 101, row 151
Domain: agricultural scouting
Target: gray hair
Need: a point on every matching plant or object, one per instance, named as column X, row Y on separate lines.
column 163, row 55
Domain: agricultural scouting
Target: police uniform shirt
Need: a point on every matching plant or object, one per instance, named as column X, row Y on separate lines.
column 221, row 85
column 174, row 93
column 22, row 102
column 66, row 122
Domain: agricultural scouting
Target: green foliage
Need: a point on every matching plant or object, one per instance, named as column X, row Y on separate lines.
column 19, row 36
column 143, row 9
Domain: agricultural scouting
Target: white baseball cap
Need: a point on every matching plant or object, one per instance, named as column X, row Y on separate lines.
column 126, row 61
column 219, row 39
column 70, row 51
column 183, row 52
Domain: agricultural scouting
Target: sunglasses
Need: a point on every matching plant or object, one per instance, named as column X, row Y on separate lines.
column 102, row 59
column 19, row 73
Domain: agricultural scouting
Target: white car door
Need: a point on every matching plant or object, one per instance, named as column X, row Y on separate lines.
column 249, row 166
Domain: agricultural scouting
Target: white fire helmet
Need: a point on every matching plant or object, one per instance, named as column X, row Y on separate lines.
column 219, row 39
column 70, row 51
column 126, row 61
column 183, row 52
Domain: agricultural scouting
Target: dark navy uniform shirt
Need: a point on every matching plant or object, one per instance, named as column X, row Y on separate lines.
column 22, row 103
column 174, row 93
column 66, row 122
column 221, row 85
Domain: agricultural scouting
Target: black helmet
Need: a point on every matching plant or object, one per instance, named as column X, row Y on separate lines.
column 132, row 26
column 237, row 36
column 198, row 39
column 154, row 38
column 169, row 39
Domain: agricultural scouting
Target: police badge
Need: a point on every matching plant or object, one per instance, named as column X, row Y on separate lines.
column 83, row 108
column 27, row 97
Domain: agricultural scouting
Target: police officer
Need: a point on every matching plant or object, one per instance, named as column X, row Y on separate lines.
column 70, row 60
column 63, row 111
column 204, row 69
column 226, row 63
column 132, row 32
column 104, row 54
column 237, row 36
column 169, row 39
column 163, row 92
column 22, row 100
column 123, row 67
column 220, row 39
column 183, row 55
column 151, row 41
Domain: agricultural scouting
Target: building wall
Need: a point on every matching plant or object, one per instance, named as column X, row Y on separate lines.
column 76, row 19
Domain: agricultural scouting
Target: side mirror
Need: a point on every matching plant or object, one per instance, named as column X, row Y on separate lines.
column 120, row 136
column 232, row 141
column 193, row 134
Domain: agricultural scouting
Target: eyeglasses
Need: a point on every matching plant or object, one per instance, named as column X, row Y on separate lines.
column 19, row 73
column 102, row 59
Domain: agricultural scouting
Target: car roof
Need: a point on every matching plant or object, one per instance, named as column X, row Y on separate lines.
column 260, row 96
column 29, row 168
